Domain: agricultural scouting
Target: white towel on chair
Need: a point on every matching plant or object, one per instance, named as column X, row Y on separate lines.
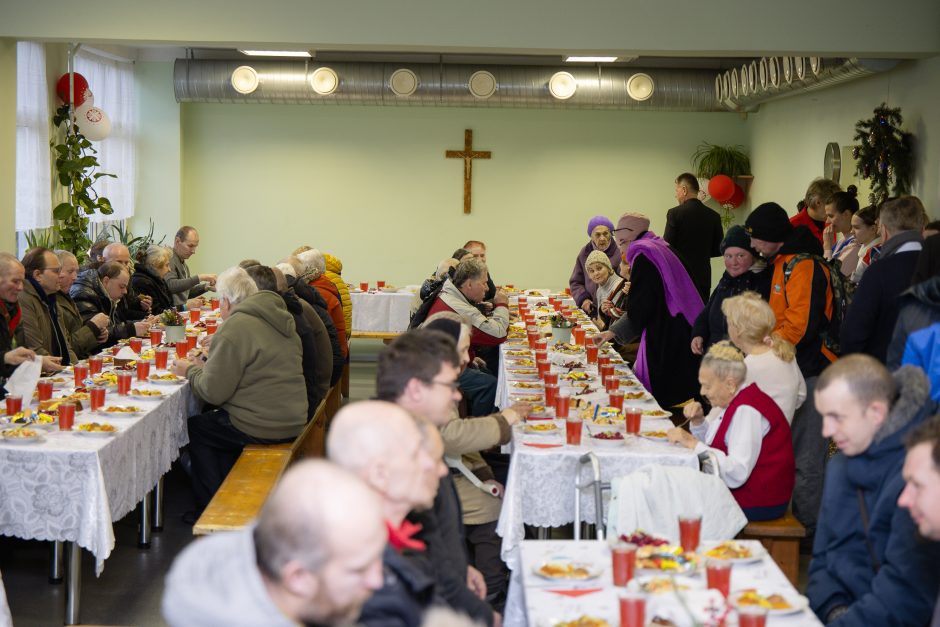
column 653, row 497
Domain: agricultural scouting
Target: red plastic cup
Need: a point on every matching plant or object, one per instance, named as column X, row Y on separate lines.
column 752, row 616
column 541, row 344
column 578, row 334
column 612, row 383
column 632, row 610
column 66, row 413
column 191, row 340
column 690, row 530
column 44, row 390
column 616, row 400
column 718, row 575
column 533, row 337
column 95, row 364
column 156, row 336
column 568, row 291
column 605, row 370
column 550, row 378
column 160, row 358
column 143, row 370
column 136, row 344
column 194, row 314
column 96, row 397
column 633, row 417
column 182, row 348
column 523, row 300
column 591, row 354
column 623, row 561
column 81, row 373
column 380, row 284
column 123, row 383
column 14, row 404
column 562, row 404
column 215, row 303
column 211, row 327
column 364, row 286
column 115, row 349
column 551, row 393
column 543, row 366
column 541, row 355
column 602, row 359
column 573, row 430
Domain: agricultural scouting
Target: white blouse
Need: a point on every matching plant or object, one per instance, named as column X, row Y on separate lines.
column 778, row 379
column 742, row 439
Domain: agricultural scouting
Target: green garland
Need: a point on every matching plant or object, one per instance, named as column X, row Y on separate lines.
column 884, row 154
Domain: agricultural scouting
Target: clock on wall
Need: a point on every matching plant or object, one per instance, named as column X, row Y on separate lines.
column 832, row 162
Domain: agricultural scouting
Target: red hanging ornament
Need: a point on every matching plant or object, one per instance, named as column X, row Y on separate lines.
column 721, row 188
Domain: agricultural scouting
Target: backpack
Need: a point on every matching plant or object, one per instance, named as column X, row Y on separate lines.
column 421, row 313
column 842, row 292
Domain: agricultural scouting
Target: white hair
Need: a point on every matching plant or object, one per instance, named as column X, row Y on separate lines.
column 313, row 262
column 286, row 269
column 234, row 285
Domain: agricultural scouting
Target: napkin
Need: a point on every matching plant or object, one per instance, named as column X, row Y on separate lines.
column 542, row 445
column 126, row 353
column 707, row 607
column 24, row 379
column 576, row 592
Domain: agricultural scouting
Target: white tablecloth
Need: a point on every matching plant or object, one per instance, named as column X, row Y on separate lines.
column 531, row 602
column 381, row 312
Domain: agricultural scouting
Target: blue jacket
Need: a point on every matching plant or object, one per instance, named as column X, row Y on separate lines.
column 923, row 350
column 841, row 573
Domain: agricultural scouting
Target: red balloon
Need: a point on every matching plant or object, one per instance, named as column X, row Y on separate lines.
column 721, row 188
column 81, row 88
column 737, row 197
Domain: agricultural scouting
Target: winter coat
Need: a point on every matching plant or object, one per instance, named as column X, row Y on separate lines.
column 317, row 382
column 83, row 336
column 711, row 324
column 407, row 591
column 803, row 219
column 695, row 231
column 146, row 282
column 582, row 288
column 335, row 308
column 36, row 331
column 90, row 299
column 254, row 370
column 312, row 297
column 487, row 330
column 10, row 320
column 842, row 572
column 334, row 270
column 919, row 308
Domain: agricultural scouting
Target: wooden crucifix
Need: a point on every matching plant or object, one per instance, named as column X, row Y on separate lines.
column 468, row 154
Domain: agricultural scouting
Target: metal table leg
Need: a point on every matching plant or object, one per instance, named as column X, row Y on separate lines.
column 158, row 506
column 74, row 588
column 143, row 536
column 542, row 533
column 56, row 561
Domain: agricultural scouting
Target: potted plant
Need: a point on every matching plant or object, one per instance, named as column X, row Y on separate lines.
column 711, row 160
column 561, row 328
column 174, row 326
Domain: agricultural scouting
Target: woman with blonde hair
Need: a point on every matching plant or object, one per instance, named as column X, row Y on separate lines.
column 747, row 433
column 769, row 358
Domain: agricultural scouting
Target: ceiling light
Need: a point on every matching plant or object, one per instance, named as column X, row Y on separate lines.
column 276, row 53
column 640, row 86
column 590, row 59
column 562, row 85
column 403, row 82
column 324, row 81
column 244, row 79
column 482, row 84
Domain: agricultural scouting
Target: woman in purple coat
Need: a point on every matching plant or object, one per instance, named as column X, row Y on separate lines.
column 582, row 290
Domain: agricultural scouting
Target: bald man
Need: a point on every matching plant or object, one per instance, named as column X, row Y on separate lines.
column 180, row 282
column 314, row 557
column 136, row 307
column 401, row 460
column 12, row 278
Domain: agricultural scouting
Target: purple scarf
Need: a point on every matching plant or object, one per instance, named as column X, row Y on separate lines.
column 681, row 295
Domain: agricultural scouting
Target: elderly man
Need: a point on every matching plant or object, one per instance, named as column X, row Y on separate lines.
column 478, row 250
column 253, row 376
column 381, row 444
column 305, row 561
column 695, row 231
column 868, row 566
column 12, row 277
column 41, row 329
column 136, row 307
column 85, row 337
column 181, row 283
column 314, row 267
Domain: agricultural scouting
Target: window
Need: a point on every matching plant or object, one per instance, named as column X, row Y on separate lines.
column 33, row 186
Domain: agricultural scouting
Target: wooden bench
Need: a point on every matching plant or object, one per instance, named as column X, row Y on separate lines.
column 247, row 485
column 781, row 537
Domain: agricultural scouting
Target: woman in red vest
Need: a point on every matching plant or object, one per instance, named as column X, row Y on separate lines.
column 746, row 431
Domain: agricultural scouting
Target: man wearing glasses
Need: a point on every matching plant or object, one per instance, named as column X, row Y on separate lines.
column 40, row 329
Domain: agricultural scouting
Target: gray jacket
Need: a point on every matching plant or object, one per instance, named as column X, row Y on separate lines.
column 181, row 284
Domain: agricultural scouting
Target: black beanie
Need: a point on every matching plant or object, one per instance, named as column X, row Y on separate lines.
column 737, row 237
column 768, row 222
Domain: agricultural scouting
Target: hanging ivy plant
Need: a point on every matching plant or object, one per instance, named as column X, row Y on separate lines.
column 76, row 163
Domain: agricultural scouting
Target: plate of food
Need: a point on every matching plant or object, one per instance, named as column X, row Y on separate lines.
column 141, row 393
column 33, row 419
column 567, row 349
column 604, row 415
column 534, row 293
column 665, row 559
column 636, row 396
column 523, row 373
column 96, row 429
column 527, row 385
column 657, row 584
column 526, row 398
column 576, row 375
column 57, row 382
column 641, row 538
column 777, row 603
column 520, row 353
column 166, row 379
column 566, row 568
column 388, row 288
column 107, row 379
column 656, row 413
column 607, row 439
column 584, row 620
column 736, row 552
column 657, row 436
column 120, row 411
column 21, row 435
column 542, row 427
column 525, row 362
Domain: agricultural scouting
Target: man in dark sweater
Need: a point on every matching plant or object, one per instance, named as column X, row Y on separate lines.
column 869, row 321
column 695, row 231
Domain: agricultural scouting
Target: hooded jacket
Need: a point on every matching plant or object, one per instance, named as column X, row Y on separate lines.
column 146, row 282
column 316, row 380
column 334, row 271
column 487, row 330
column 37, row 331
column 581, row 286
column 90, row 299
column 254, row 370
column 312, row 297
column 711, row 324
column 903, row 590
column 334, row 307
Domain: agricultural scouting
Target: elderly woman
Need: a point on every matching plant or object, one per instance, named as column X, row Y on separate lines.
column 100, row 292
column 314, row 268
column 583, row 291
column 148, row 279
column 86, row 337
column 839, row 211
column 744, row 272
column 747, row 433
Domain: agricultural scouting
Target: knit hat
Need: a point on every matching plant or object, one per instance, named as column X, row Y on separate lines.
column 630, row 225
column 597, row 221
column 737, row 237
column 598, row 256
column 768, row 222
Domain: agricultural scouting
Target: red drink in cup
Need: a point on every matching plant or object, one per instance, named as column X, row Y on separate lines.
column 364, row 287
column 211, row 327
column 632, row 610
column 591, row 354
column 550, row 378
column 181, row 349
column 541, row 355
column 551, row 393
column 633, row 417
column 562, row 405
column 752, row 616
column 191, row 340
column 623, row 561
column 194, row 314
column 95, row 364
column 136, row 344
column 578, row 333
column 523, row 300
column 14, row 404
column 123, row 383
column 573, row 430
column 533, row 337
column 541, row 344
column 718, row 574
column 612, row 383
column 380, row 284
column 615, row 397
column 143, row 370
column 602, row 360
column 568, row 291
column 160, row 358
column 557, row 305
column 605, row 370
column 115, row 349
column 44, row 390
column 66, row 413
column 81, row 373
column 690, row 529
column 215, row 303
column 543, row 367
column 96, row 396
column 156, row 335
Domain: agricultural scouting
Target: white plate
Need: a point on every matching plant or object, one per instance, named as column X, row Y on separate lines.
column 119, row 414
column 592, row 571
column 758, row 553
column 93, row 434
column 684, row 582
column 555, row 431
column 797, row 602
column 176, row 381
column 34, row 440
column 653, row 438
column 147, row 398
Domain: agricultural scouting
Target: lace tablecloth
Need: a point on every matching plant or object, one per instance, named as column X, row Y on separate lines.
column 381, row 312
column 71, row 487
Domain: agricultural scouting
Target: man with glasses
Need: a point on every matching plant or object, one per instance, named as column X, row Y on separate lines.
column 40, row 329
column 695, row 231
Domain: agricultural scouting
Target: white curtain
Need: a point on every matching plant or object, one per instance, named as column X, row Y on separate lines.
column 33, row 187
column 112, row 83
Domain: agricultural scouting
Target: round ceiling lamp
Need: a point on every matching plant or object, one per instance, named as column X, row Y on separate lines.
column 245, row 79
column 562, row 85
column 787, row 67
column 640, row 87
column 815, row 64
column 773, row 74
column 745, row 82
column 718, row 95
column 324, row 81
column 762, row 73
column 799, row 67
column 482, row 84
column 403, row 82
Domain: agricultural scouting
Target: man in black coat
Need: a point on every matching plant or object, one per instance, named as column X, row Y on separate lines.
column 695, row 231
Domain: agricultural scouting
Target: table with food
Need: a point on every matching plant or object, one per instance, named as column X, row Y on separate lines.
column 381, row 309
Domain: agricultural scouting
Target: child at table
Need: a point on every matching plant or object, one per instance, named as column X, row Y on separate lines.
column 611, row 288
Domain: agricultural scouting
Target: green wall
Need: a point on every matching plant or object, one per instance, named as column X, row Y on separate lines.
column 371, row 185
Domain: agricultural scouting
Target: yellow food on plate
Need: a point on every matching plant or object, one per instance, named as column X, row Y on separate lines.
column 105, row 378
column 584, row 621
column 665, row 558
column 136, row 392
column 562, row 347
column 654, row 434
column 634, row 396
column 148, row 354
column 524, row 363
column 576, row 375
column 520, row 353
column 526, row 398
column 526, row 385
column 76, row 396
column 20, row 433
column 656, row 412
column 658, row 585
column 164, row 377
column 541, row 427
column 96, row 427
column 118, row 409
column 564, row 570
column 771, row 601
column 729, row 550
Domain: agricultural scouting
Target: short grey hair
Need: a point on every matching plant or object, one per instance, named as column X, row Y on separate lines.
column 724, row 360
column 8, row 262
column 469, row 269
column 157, row 256
column 62, row 255
column 234, row 285
column 313, row 263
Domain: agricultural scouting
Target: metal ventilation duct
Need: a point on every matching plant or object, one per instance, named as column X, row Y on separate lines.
column 444, row 85
column 772, row 78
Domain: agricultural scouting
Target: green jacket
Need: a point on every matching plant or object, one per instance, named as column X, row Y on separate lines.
column 254, row 370
column 35, row 329
column 83, row 336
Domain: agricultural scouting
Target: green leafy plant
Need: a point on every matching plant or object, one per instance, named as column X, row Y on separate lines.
column 172, row 318
column 45, row 238
column 135, row 244
column 76, row 164
column 558, row 321
column 710, row 160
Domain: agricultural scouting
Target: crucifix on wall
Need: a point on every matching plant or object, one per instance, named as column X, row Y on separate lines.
column 468, row 154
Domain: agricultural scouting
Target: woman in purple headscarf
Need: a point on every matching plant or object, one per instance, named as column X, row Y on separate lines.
column 661, row 307
column 600, row 228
